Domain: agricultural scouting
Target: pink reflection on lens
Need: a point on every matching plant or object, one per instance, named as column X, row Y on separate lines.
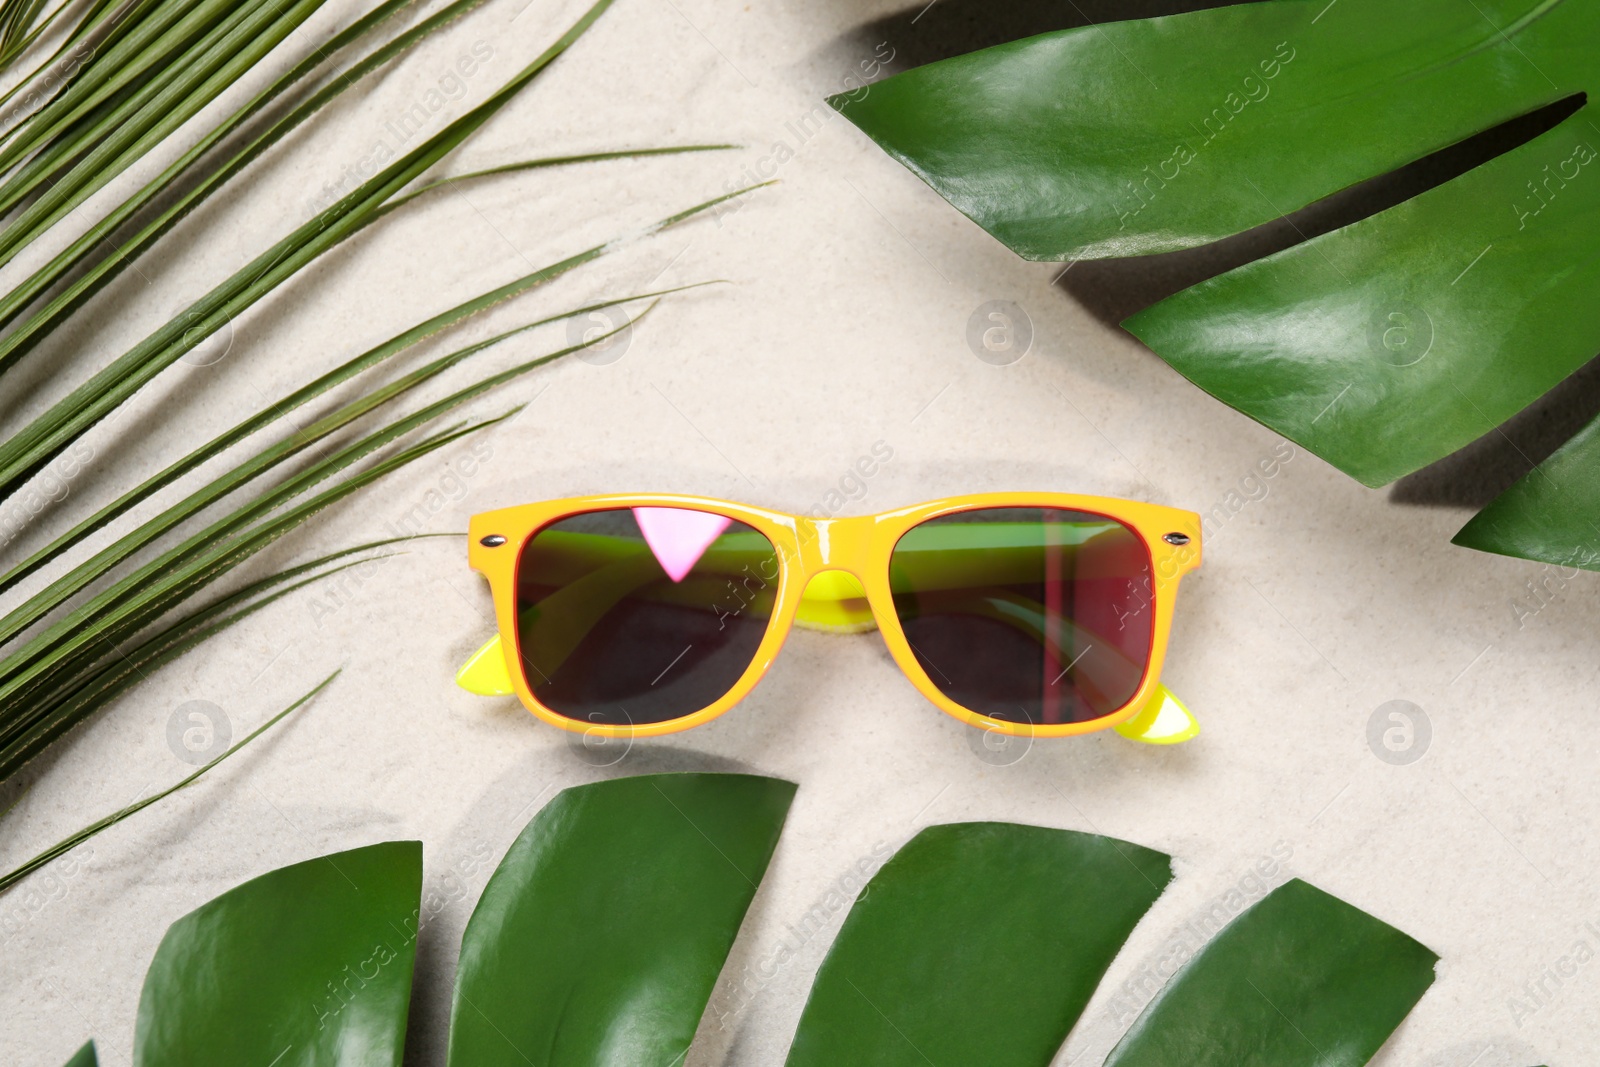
column 678, row 537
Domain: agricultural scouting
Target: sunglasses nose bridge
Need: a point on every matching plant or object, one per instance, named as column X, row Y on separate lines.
column 833, row 544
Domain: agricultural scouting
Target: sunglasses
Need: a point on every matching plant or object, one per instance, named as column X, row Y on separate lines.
column 1034, row 614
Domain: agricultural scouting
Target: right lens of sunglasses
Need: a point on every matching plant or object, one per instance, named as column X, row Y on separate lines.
column 1028, row 615
column 641, row 615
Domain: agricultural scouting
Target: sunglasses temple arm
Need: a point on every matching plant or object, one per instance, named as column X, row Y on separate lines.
column 1163, row 720
column 485, row 673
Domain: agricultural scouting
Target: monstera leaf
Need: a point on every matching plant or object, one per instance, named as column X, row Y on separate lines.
column 982, row 942
column 307, row 961
column 1382, row 346
column 84, row 1057
column 599, row 939
column 1301, row 978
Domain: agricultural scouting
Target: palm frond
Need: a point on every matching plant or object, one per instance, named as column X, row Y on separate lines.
column 104, row 624
column 71, row 842
column 400, row 342
column 185, row 174
column 52, row 431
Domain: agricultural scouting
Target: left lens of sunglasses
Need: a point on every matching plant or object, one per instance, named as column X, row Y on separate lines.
column 631, row 616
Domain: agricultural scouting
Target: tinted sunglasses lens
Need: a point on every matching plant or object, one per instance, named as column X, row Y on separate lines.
column 641, row 615
column 1035, row 615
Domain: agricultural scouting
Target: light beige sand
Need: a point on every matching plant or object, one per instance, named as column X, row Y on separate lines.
column 845, row 326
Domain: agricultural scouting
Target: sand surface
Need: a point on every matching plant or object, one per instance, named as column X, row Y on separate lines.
column 842, row 330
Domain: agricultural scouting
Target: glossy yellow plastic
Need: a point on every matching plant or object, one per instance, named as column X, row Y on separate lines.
column 834, row 576
column 1164, row 720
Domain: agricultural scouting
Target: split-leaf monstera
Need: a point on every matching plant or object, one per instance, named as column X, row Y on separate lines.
column 1382, row 346
column 598, row 942
column 982, row 941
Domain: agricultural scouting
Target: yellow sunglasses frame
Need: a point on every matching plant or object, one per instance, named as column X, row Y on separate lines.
column 859, row 546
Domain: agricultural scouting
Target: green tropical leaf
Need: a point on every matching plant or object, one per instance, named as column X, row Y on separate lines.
column 17, row 27
column 556, row 161
column 69, row 584
column 84, row 1057
column 981, row 943
column 1550, row 513
column 79, row 661
column 48, row 664
column 1055, row 144
column 1363, row 347
column 96, row 681
column 312, row 962
column 149, row 35
column 977, row 943
column 1382, row 346
column 97, row 152
column 600, row 937
column 1301, row 979
column 47, row 435
column 60, row 590
column 84, row 23
column 61, row 58
column 36, row 678
column 197, row 188
column 77, row 838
